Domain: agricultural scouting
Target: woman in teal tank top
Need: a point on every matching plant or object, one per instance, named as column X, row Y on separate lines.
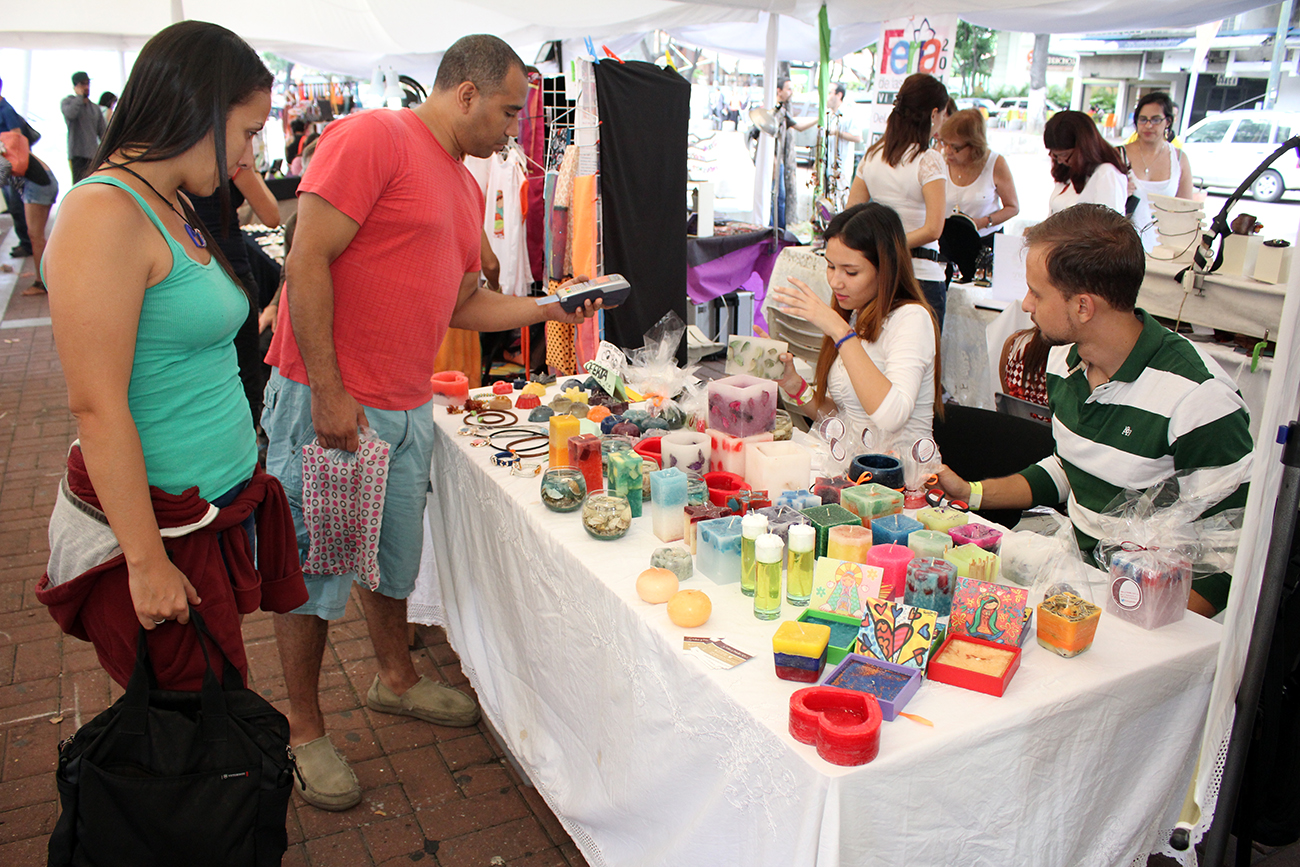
column 144, row 307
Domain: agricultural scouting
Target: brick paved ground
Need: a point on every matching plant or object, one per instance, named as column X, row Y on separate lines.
column 433, row 795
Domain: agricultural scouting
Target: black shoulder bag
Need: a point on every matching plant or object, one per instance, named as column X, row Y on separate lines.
column 1131, row 203
column 176, row 778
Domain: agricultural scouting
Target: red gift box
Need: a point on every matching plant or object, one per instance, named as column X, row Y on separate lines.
column 966, row 677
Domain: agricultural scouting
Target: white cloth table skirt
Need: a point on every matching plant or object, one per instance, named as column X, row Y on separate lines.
column 648, row 758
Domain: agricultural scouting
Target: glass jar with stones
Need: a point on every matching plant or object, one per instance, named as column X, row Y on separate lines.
column 563, row 489
column 606, row 515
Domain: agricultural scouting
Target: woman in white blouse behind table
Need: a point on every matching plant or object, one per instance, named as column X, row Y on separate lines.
column 902, row 171
column 1156, row 165
column 879, row 362
column 979, row 181
column 1085, row 167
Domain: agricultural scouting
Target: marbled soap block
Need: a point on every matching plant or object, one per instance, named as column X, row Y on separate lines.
column 941, row 518
column 825, row 517
column 982, row 535
column 742, row 405
column 727, row 453
column 798, row 500
column 972, row 561
column 718, row 550
column 674, row 559
column 893, row 529
column 777, row 467
column 929, row 543
column 756, row 356
column 871, row 501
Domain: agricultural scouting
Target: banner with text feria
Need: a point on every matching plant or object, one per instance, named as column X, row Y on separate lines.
column 921, row 43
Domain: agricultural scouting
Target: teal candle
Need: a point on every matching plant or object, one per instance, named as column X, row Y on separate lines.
column 871, row 501
column 625, row 470
column 893, row 529
column 667, row 500
column 929, row 543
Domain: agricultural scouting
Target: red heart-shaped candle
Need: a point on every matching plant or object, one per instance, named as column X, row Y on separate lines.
column 843, row 724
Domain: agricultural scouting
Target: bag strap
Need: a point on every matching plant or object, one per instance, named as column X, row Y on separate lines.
column 135, row 703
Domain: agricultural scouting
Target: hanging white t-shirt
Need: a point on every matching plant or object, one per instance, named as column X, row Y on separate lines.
column 900, row 187
column 1108, row 186
column 501, row 177
column 979, row 198
column 905, row 354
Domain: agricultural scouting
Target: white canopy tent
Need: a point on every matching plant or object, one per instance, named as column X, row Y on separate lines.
column 356, row 36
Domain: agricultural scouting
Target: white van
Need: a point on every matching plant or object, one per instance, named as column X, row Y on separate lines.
column 1225, row 148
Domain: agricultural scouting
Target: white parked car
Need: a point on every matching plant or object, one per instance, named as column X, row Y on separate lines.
column 1225, row 148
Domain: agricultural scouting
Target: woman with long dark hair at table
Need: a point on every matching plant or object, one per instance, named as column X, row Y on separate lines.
column 879, row 362
column 156, row 512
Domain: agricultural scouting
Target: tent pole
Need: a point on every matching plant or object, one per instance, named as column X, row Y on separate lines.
column 764, row 188
column 1279, row 53
column 1261, row 637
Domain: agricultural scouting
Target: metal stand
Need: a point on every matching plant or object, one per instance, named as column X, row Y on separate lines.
column 1261, row 636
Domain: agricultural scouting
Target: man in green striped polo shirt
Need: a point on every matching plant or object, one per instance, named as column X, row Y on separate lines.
column 1132, row 402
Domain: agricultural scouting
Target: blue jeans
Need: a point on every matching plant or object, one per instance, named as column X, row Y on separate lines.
column 936, row 292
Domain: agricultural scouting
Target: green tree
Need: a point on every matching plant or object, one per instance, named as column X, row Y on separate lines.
column 972, row 54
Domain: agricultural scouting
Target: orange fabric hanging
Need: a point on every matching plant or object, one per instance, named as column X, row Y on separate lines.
column 582, row 228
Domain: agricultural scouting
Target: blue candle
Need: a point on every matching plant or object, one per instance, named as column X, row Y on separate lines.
column 798, row 500
column 893, row 529
column 667, row 500
column 718, row 549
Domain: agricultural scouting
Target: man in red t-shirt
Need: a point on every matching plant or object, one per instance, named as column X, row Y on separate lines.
column 385, row 258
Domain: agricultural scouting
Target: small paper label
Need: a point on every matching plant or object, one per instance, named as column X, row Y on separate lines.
column 1127, row 593
column 714, row 652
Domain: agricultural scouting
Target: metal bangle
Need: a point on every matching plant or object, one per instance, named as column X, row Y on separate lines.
column 501, row 418
column 493, row 433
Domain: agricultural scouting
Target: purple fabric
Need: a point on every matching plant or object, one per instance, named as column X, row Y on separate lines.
column 747, row 269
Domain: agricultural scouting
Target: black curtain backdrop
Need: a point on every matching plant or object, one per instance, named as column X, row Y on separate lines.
column 644, row 112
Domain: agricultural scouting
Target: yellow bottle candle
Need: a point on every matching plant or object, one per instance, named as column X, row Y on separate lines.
column 752, row 526
column 799, row 564
column 562, row 427
column 767, row 576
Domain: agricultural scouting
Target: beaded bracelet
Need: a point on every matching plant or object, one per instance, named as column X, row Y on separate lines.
column 841, row 341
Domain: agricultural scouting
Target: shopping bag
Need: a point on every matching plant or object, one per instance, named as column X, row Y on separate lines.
column 343, row 507
column 186, row 778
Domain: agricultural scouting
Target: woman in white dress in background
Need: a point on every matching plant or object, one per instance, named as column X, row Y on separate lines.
column 1156, row 165
column 979, row 181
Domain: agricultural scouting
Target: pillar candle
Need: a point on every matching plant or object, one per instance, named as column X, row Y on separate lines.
column 977, row 534
column 776, row 467
column 742, row 405
column 686, row 449
column 825, row 517
column 727, row 453
column 848, row 542
column 929, row 584
column 972, row 561
column 752, row 526
column 562, row 428
column 804, row 499
column 941, row 518
column 584, row 453
column 799, row 572
column 893, row 560
column 767, row 576
column 668, row 499
column 894, row 529
column 831, row 489
column 625, row 477
column 871, row 501
column 718, row 557
column 780, row 519
column 692, row 515
column 929, row 543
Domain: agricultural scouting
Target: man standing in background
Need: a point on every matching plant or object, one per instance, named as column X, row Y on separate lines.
column 85, row 125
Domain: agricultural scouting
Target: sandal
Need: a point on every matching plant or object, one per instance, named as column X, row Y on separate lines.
column 37, row 288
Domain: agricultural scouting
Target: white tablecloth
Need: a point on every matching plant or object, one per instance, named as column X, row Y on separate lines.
column 648, row 758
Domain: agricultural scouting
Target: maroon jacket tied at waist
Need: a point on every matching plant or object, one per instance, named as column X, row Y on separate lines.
column 96, row 605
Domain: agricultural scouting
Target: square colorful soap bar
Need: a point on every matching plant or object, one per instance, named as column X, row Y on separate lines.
column 799, row 650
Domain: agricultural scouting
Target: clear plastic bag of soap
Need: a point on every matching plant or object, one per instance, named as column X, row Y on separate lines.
column 652, row 370
column 343, row 506
column 1050, row 563
column 1156, row 542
